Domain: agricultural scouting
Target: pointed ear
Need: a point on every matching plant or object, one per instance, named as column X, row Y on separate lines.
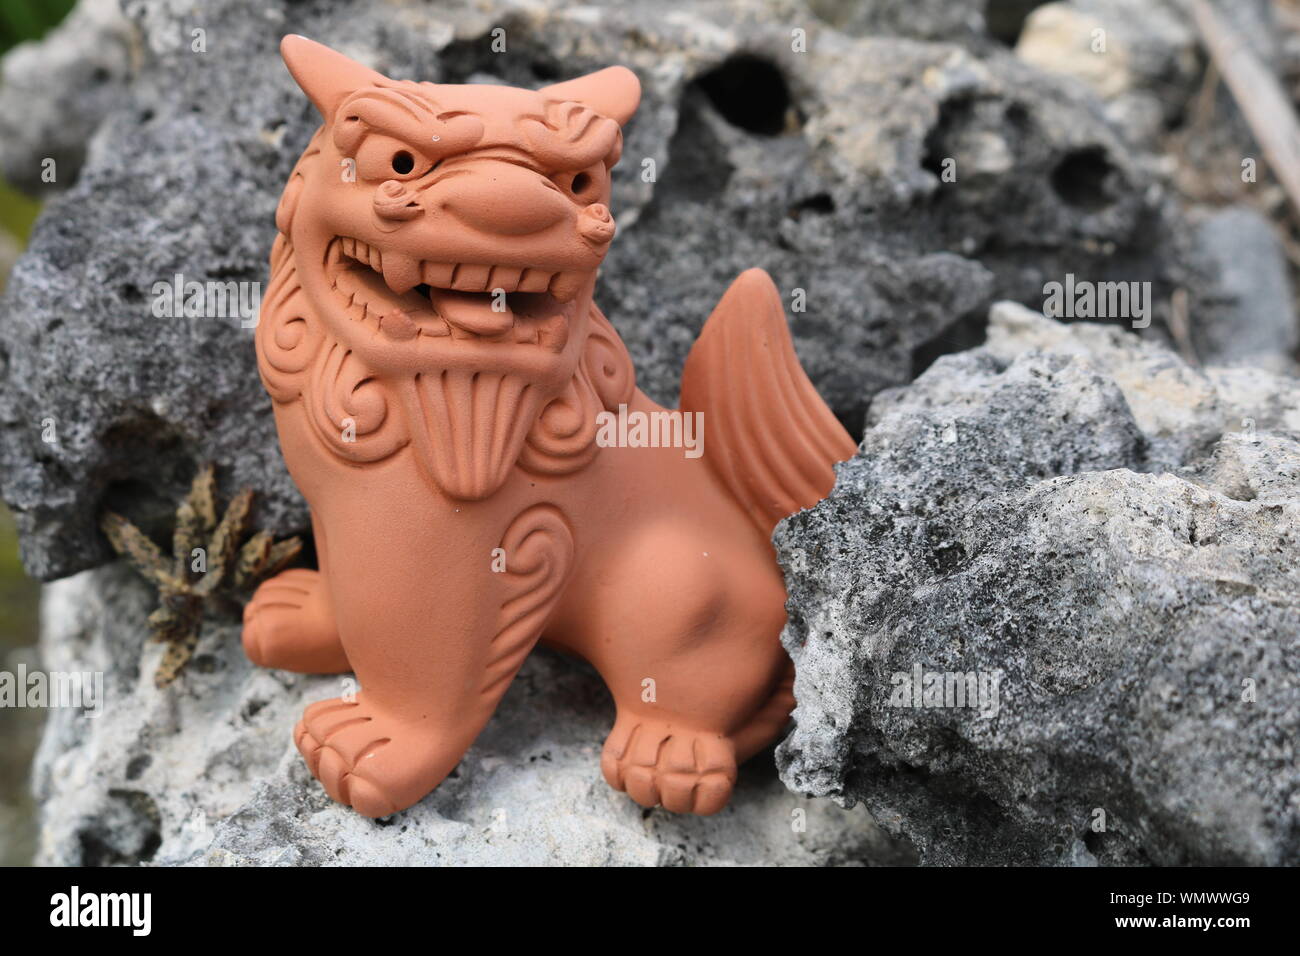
column 613, row 92
column 326, row 76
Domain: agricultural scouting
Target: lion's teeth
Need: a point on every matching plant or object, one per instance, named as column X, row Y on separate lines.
column 565, row 285
column 436, row 274
column 470, row 278
column 534, row 280
column 505, row 278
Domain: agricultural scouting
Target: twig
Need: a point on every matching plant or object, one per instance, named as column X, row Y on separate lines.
column 1206, row 100
column 1259, row 96
column 1180, row 326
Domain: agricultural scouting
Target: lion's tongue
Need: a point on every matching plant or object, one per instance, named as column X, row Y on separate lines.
column 473, row 311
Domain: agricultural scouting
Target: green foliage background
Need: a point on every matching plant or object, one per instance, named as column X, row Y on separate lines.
column 22, row 20
column 29, row 19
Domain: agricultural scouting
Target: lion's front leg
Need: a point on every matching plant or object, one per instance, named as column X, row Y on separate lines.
column 434, row 649
column 289, row 623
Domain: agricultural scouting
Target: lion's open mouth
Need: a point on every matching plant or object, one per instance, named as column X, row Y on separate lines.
column 405, row 298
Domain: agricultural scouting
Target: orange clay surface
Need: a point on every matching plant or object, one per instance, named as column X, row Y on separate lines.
column 442, row 381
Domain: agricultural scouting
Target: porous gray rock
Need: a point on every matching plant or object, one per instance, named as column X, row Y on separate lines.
column 205, row 773
column 964, row 21
column 1104, row 539
column 828, row 162
column 1142, row 57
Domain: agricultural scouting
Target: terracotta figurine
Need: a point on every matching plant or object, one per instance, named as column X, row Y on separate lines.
column 483, row 472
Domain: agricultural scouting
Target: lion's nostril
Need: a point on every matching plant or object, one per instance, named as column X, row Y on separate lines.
column 394, row 201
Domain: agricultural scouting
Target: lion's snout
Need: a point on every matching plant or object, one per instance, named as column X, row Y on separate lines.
column 498, row 199
column 596, row 225
column 395, row 202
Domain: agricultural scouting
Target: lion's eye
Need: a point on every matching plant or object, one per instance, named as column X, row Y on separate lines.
column 382, row 157
column 583, row 186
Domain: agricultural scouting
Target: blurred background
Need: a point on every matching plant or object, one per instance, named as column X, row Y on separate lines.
column 20, row 20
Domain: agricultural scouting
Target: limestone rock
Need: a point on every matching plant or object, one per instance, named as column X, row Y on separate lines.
column 1102, row 540
column 206, row 773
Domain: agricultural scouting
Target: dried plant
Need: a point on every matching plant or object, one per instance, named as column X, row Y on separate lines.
column 207, row 562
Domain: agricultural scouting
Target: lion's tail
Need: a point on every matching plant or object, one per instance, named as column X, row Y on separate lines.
column 770, row 437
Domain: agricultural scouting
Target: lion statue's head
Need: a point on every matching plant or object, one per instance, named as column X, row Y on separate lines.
column 432, row 282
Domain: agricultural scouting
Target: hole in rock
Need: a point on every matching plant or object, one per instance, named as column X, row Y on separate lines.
column 750, row 93
column 1085, row 179
column 820, row 204
column 1006, row 18
column 527, row 63
column 125, row 831
column 967, row 332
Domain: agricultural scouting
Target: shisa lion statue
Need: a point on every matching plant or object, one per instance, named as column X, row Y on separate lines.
column 441, row 379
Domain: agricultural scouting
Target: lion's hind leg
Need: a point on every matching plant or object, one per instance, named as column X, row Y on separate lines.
column 689, row 646
column 660, row 760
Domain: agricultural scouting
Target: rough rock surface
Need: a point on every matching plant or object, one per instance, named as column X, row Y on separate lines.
column 1142, row 57
column 1112, row 537
column 205, row 773
column 824, row 166
column 1144, row 61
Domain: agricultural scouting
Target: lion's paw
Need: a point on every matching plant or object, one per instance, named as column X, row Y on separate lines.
column 372, row 762
column 289, row 625
column 661, row 763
